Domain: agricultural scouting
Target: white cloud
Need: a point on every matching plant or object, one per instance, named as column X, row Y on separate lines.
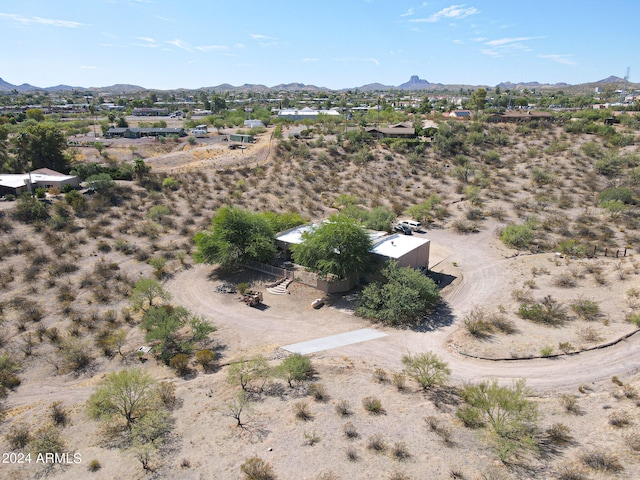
column 409, row 13
column 256, row 36
column 310, row 60
column 507, row 46
column 454, row 11
column 559, row 58
column 180, row 44
column 458, row 42
column 505, row 41
column 212, row 48
column 25, row 21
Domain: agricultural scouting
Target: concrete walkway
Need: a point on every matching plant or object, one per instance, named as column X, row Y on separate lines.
column 334, row 341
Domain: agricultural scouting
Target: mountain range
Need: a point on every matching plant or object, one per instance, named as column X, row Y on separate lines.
column 415, row 83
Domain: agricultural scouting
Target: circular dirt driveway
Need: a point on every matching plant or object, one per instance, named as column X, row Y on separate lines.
column 289, row 319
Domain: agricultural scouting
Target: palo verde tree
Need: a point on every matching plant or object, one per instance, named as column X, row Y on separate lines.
column 235, row 237
column 126, row 395
column 404, row 297
column 339, row 247
column 145, row 291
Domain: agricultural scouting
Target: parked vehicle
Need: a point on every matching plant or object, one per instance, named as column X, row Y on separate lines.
column 412, row 224
column 400, row 228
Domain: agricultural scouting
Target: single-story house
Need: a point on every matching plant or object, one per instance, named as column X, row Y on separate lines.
column 150, row 112
column 465, row 114
column 399, row 130
column 305, row 113
column 254, row 123
column 15, row 184
column 242, row 138
column 520, row 116
column 407, row 250
column 128, row 132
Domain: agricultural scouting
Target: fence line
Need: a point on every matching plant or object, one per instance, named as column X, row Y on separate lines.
column 270, row 269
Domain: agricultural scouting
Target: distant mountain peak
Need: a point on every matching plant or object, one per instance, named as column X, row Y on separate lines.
column 611, row 79
column 414, row 83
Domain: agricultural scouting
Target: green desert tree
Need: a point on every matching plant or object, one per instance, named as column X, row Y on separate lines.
column 236, row 236
column 296, row 368
column 509, row 413
column 127, row 395
column 246, row 371
column 145, row 291
column 426, row 368
column 404, row 297
column 42, row 146
column 161, row 325
column 339, row 247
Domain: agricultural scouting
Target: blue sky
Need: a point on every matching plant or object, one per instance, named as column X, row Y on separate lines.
column 169, row 44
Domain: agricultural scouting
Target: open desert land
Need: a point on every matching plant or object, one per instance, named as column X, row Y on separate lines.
column 68, row 319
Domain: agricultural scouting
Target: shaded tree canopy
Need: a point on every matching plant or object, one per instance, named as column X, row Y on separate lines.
column 404, row 297
column 235, row 237
column 41, row 146
column 338, row 247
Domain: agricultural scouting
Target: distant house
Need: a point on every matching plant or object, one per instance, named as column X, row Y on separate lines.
column 464, row 114
column 399, row 130
column 15, row 184
column 518, row 116
column 253, row 123
column 237, row 137
column 128, row 132
column 305, row 113
column 150, row 112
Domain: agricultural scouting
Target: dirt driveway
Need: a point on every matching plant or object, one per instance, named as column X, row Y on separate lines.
column 480, row 270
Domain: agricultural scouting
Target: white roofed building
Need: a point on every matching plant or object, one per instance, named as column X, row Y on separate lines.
column 15, row 184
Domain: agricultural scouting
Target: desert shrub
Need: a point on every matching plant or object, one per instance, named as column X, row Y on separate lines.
column 400, row 451
column 352, row 454
column 167, row 393
column 59, row 414
column 601, row 461
column 76, row 354
column 18, row 436
column 570, row 403
column 350, row 431
column 247, row 371
column 206, row 358
column 471, row 417
column 619, row 419
column 318, row 391
column 426, row 368
column 586, row 309
column 343, row 408
column 632, row 439
column 621, row 194
column 476, row 323
column 376, row 443
column 507, row 411
column 180, row 363
column 373, row 406
column 565, row 280
column 311, row 438
column 546, row 351
column 547, row 311
column 48, row 440
column 517, row 236
column 302, row 412
column 254, row 468
column 380, row 375
column 94, row 465
column 436, row 426
column 559, row 434
column 503, row 324
column 400, row 381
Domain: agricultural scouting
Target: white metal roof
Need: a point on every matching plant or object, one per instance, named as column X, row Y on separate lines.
column 15, row 180
column 397, row 246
